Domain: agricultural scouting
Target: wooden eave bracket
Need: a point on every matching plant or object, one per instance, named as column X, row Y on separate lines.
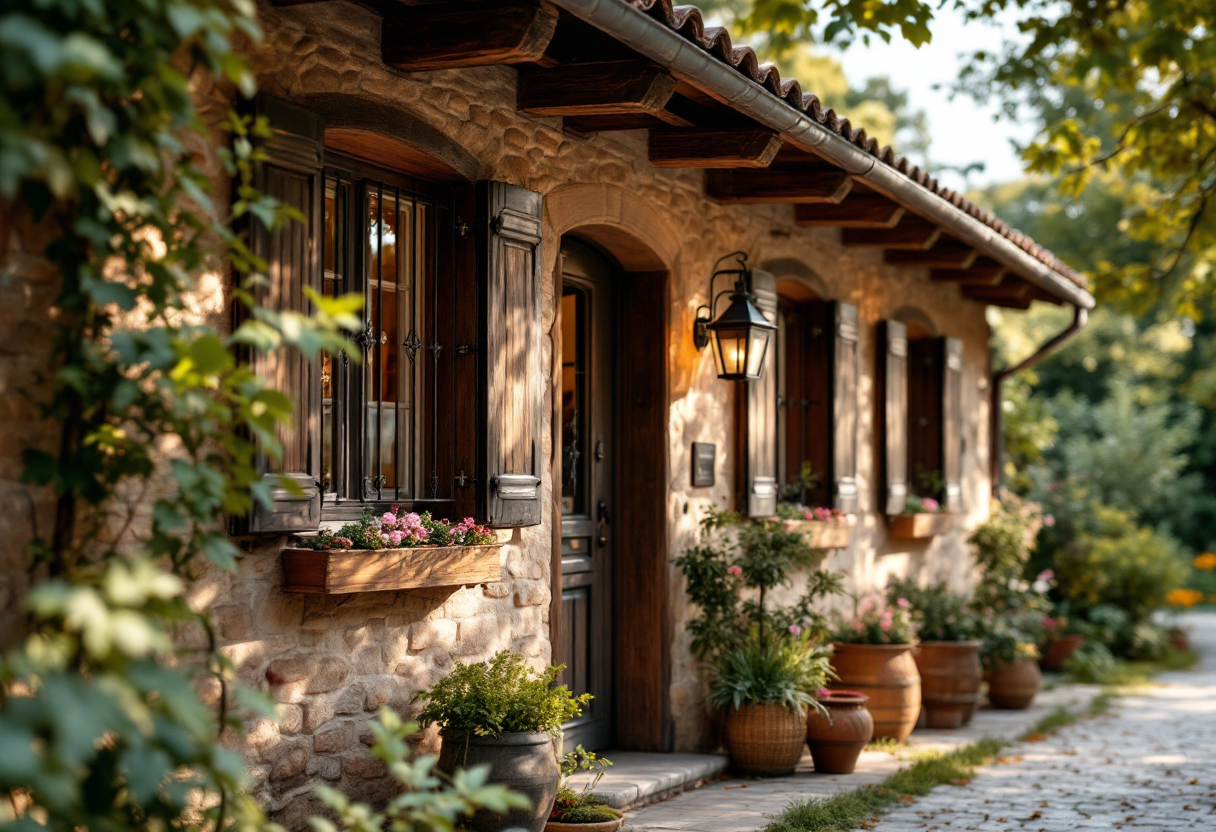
column 804, row 184
column 713, row 148
column 456, row 35
column 596, row 89
column 857, row 211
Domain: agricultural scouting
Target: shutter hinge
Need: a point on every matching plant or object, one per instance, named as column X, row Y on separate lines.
column 462, row 227
column 466, row 349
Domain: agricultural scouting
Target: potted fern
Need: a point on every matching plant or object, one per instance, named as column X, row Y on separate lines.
column 504, row 715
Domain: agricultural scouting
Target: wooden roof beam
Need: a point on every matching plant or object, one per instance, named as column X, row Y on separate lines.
column 1012, row 288
column 858, row 211
column 804, row 184
column 984, row 272
column 597, row 89
column 454, row 35
column 949, row 254
column 912, row 233
column 713, row 148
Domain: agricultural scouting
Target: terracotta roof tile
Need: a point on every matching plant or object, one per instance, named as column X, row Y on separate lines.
column 688, row 22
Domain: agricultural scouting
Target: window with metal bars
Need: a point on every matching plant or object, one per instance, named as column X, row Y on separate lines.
column 387, row 237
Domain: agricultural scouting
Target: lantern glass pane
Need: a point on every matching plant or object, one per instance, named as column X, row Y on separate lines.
column 731, row 347
column 756, row 350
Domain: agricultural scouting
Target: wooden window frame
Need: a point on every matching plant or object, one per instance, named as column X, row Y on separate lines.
column 438, row 416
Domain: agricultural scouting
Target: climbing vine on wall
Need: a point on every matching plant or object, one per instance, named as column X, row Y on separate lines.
column 103, row 720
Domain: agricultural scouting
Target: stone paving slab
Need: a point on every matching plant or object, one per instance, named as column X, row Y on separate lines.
column 1150, row 764
column 741, row 805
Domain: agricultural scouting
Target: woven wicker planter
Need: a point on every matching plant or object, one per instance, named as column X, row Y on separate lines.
column 764, row 740
column 820, row 535
column 918, row 526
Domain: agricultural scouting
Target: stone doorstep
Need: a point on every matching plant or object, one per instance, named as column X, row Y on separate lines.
column 689, row 792
column 638, row 778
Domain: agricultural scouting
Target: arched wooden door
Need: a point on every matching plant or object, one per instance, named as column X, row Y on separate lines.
column 586, row 640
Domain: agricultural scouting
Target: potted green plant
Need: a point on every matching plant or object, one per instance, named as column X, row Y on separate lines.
column 582, row 810
column 872, row 654
column 1013, row 608
column 948, row 654
column 765, row 660
column 505, row 715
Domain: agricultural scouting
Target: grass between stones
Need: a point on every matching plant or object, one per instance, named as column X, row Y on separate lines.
column 860, row 808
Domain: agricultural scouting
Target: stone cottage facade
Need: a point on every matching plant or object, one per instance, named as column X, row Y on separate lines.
column 395, row 92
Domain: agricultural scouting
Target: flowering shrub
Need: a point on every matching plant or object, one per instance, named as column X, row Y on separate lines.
column 1184, row 598
column 874, row 623
column 399, row 530
column 921, row 505
column 1206, row 561
column 939, row 614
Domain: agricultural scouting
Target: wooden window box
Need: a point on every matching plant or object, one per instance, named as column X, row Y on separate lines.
column 820, row 534
column 311, row 572
column 918, row 526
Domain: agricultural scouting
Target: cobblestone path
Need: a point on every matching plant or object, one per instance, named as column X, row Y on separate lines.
column 1150, row 764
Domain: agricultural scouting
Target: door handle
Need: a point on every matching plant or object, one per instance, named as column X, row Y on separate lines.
column 604, row 519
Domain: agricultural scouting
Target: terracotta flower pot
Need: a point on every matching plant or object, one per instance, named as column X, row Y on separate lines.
column 837, row 738
column 765, row 739
column 887, row 674
column 950, row 678
column 523, row 763
column 1013, row 686
column 1059, row 650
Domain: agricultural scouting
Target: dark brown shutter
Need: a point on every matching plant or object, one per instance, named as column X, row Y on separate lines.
column 952, row 423
column 893, row 363
column 292, row 175
column 760, row 462
column 514, row 377
column 844, row 407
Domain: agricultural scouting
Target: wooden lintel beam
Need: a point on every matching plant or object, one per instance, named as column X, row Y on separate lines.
column 454, row 35
column 944, row 255
column 807, row 184
column 597, row 89
column 713, row 148
column 858, row 211
column 912, row 233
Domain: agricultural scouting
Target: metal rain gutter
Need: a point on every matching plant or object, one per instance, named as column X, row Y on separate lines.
column 633, row 28
column 996, row 412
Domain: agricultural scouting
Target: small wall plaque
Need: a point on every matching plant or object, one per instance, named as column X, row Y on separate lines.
column 703, row 464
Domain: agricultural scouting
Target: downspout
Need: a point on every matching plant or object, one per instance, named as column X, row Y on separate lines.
column 996, row 417
column 648, row 37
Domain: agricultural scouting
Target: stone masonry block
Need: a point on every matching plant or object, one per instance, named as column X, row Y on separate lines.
column 483, row 634
column 331, row 672
column 336, row 736
column 498, row 589
column 428, row 634
column 530, row 593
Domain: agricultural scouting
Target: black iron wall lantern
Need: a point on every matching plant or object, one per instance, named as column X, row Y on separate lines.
column 741, row 333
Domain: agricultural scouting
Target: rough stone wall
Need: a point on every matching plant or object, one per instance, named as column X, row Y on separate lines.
column 330, row 663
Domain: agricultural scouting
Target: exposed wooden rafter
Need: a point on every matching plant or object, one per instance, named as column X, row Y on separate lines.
column 948, row 254
column 453, row 35
column 912, row 233
column 598, row 89
column 858, row 211
column 713, row 148
column 983, row 272
column 1011, row 292
column 803, row 184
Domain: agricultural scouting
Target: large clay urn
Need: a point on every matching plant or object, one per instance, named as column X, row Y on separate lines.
column 1013, row 686
column 765, row 739
column 836, row 739
column 887, row 674
column 950, row 679
column 524, row 763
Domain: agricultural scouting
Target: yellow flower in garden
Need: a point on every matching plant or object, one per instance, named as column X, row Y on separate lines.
column 1184, row 597
column 1206, row 561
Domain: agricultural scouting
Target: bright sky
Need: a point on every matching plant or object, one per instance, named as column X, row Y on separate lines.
column 960, row 131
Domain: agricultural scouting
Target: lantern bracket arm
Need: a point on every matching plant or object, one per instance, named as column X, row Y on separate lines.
column 742, row 285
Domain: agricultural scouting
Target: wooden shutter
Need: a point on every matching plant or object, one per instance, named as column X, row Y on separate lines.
column 893, row 362
column 760, row 446
column 952, row 423
column 513, row 382
column 292, row 175
column 844, row 407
